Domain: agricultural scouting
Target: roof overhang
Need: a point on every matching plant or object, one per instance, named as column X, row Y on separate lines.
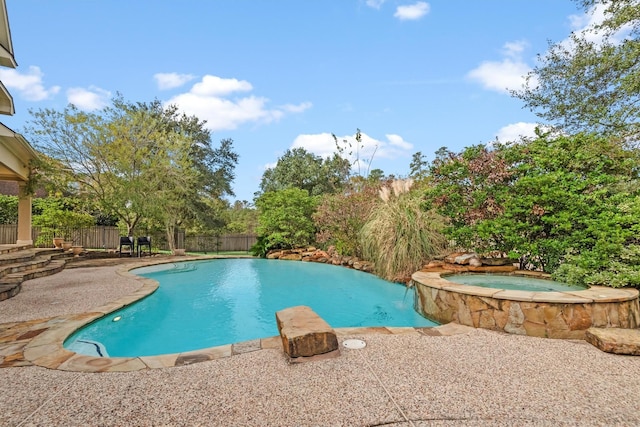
column 15, row 155
column 6, row 101
column 6, row 46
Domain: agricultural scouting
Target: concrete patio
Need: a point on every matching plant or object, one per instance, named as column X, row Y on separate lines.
column 403, row 377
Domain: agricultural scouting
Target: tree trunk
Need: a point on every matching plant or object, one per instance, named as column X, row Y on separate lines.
column 170, row 229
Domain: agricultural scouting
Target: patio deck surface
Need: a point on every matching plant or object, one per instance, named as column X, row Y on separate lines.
column 403, row 377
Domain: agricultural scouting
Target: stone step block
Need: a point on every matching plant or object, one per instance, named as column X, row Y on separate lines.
column 615, row 340
column 304, row 333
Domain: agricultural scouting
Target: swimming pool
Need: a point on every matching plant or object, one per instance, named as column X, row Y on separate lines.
column 203, row 304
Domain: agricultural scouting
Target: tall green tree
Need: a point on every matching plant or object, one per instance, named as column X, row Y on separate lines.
column 242, row 217
column 136, row 160
column 298, row 168
column 592, row 82
column 285, row 219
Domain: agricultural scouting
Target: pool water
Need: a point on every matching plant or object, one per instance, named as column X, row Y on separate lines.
column 517, row 283
column 203, row 304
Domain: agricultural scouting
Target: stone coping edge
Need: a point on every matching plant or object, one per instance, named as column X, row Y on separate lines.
column 47, row 350
column 595, row 294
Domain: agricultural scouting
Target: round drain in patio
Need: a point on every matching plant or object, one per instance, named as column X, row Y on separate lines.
column 354, row 344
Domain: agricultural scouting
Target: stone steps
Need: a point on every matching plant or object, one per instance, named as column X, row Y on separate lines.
column 25, row 255
column 16, row 266
column 615, row 340
column 5, row 249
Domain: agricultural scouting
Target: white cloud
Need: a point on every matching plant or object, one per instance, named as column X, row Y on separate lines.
column 321, row 144
column 90, row 99
column 515, row 49
column 375, row 3
column 208, row 100
column 501, row 76
column 412, row 12
column 324, row 145
column 29, row 86
column 508, row 74
column 217, row 86
column 290, row 108
column 517, row 131
column 172, row 80
column 398, row 142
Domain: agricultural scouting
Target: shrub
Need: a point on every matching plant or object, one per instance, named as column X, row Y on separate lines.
column 400, row 235
column 340, row 218
column 8, row 209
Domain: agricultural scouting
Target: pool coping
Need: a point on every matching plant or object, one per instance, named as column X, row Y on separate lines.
column 47, row 348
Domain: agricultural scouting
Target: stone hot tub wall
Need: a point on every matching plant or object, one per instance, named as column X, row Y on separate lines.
column 540, row 314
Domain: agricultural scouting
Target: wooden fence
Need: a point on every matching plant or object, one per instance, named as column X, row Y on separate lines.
column 102, row 237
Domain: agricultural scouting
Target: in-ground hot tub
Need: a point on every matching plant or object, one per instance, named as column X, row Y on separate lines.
column 554, row 314
column 512, row 282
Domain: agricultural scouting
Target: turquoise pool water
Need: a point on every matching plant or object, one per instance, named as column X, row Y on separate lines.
column 203, row 304
column 517, row 283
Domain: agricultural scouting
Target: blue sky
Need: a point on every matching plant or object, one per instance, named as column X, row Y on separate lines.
column 272, row 75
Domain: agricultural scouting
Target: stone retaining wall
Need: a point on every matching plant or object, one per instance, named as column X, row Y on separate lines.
column 540, row 314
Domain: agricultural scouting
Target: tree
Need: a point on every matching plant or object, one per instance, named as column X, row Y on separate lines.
column 136, row 160
column 285, row 219
column 418, row 167
column 298, row 168
column 592, row 83
column 241, row 217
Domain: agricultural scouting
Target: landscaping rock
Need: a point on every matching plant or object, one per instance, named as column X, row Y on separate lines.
column 304, row 333
column 465, row 259
column 498, row 261
column 475, row 262
column 451, row 258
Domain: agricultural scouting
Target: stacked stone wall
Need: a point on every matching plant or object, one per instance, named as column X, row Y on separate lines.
column 563, row 315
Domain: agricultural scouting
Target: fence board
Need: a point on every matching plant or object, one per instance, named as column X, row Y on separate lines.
column 102, row 237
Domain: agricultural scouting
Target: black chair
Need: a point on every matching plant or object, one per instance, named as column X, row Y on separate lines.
column 126, row 241
column 142, row 242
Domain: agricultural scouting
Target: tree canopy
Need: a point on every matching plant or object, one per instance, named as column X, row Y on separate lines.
column 298, row 168
column 285, row 219
column 591, row 83
column 136, row 160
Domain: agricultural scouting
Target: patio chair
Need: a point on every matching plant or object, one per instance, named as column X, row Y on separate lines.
column 126, row 241
column 144, row 241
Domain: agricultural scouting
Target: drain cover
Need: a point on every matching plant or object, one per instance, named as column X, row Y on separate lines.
column 354, row 344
